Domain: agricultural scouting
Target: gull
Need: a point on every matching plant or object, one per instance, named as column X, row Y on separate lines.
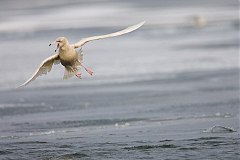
column 69, row 57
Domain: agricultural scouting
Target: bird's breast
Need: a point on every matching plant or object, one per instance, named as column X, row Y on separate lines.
column 68, row 56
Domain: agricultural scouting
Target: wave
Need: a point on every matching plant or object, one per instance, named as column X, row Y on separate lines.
column 147, row 147
column 4, row 152
column 76, row 155
column 89, row 123
column 219, row 129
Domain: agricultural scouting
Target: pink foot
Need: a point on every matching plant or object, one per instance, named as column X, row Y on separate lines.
column 89, row 71
column 78, row 75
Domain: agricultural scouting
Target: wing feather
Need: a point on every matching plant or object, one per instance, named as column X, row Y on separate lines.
column 44, row 68
column 124, row 31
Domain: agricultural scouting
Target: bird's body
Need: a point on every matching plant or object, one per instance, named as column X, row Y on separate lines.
column 70, row 57
column 69, row 61
column 67, row 56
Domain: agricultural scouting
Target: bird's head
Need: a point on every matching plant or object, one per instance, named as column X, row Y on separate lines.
column 61, row 42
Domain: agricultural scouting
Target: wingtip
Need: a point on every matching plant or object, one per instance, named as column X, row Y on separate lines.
column 19, row 86
column 140, row 24
column 22, row 85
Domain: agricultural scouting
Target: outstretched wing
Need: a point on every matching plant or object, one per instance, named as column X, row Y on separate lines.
column 44, row 68
column 127, row 30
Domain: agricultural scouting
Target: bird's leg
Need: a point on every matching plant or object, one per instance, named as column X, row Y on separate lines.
column 87, row 69
column 76, row 71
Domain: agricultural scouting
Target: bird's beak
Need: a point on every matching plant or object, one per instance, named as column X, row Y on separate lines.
column 57, row 47
column 52, row 43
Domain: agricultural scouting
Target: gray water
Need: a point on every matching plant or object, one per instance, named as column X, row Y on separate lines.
column 169, row 90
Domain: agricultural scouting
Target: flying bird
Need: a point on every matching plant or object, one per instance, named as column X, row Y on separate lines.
column 69, row 57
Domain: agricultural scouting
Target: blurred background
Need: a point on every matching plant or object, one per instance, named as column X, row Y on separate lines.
column 169, row 89
column 178, row 36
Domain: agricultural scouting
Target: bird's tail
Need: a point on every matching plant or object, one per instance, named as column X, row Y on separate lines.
column 68, row 74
